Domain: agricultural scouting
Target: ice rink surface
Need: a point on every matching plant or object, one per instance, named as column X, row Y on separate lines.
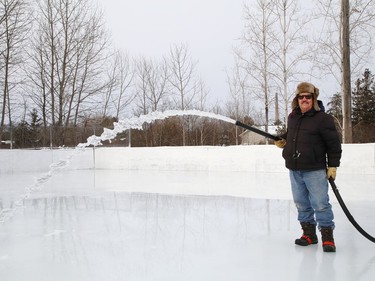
column 158, row 225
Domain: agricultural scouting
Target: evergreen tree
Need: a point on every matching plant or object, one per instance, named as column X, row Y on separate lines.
column 27, row 134
column 36, row 121
column 22, row 135
column 364, row 99
column 34, row 128
column 364, row 109
column 335, row 107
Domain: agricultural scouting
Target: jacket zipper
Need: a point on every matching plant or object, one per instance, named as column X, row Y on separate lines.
column 296, row 154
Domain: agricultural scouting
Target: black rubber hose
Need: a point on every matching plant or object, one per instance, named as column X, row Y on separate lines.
column 347, row 213
column 331, row 181
column 255, row 130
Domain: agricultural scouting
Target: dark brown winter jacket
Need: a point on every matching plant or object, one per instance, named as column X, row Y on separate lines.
column 312, row 141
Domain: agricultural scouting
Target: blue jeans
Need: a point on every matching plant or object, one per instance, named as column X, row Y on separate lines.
column 310, row 194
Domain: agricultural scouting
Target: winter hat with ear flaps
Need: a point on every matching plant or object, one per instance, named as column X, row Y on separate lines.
column 306, row 87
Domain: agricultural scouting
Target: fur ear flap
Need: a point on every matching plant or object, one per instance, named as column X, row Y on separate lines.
column 316, row 92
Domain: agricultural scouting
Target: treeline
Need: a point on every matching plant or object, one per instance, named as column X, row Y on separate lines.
column 201, row 131
column 198, row 130
column 363, row 109
column 58, row 70
column 61, row 79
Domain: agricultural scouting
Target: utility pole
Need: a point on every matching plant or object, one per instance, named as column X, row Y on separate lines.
column 277, row 113
column 345, row 71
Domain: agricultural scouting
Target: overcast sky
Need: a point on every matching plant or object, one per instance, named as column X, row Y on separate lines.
column 150, row 27
column 210, row 28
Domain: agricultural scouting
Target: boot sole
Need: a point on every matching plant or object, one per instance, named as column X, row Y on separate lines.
column 329, row 249
column 304, row 242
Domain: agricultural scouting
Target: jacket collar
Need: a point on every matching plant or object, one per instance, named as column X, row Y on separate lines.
column 311, row 112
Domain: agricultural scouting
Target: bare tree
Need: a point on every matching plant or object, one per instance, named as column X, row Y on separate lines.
column 345, row 70
column 152, row 93
column 183, row 80
column 116, row 95
column 239, row 105
column 143, row 67
column 256, row 51
column 157, row 79
column 89, row 65
column 291, row 48
column 143, row 104
column 239, row 99
column 125, row 80
column 67, row 59
column 111, row 86
column 346, row 23
column 200, row 123
column 327, row 54
column 14, row 23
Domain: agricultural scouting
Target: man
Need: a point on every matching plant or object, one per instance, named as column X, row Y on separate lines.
column 312, row 151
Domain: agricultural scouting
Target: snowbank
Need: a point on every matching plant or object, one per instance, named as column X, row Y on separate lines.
column 357, row 159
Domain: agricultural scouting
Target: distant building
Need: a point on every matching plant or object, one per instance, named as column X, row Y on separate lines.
column 251, row 138
column 5, row 144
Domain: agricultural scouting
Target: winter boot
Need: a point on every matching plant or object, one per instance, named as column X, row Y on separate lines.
column 327, row 239
column 309, row 235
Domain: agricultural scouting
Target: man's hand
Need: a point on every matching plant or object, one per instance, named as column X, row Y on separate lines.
column 331, row 172
column 280, row 143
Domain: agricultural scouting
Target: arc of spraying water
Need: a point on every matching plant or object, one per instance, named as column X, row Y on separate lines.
column 137, row 122
column 108, row 134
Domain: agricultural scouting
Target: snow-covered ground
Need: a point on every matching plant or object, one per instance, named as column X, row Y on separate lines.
column 201, row 213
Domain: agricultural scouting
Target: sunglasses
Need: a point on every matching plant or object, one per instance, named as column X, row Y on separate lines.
column 308, row 97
